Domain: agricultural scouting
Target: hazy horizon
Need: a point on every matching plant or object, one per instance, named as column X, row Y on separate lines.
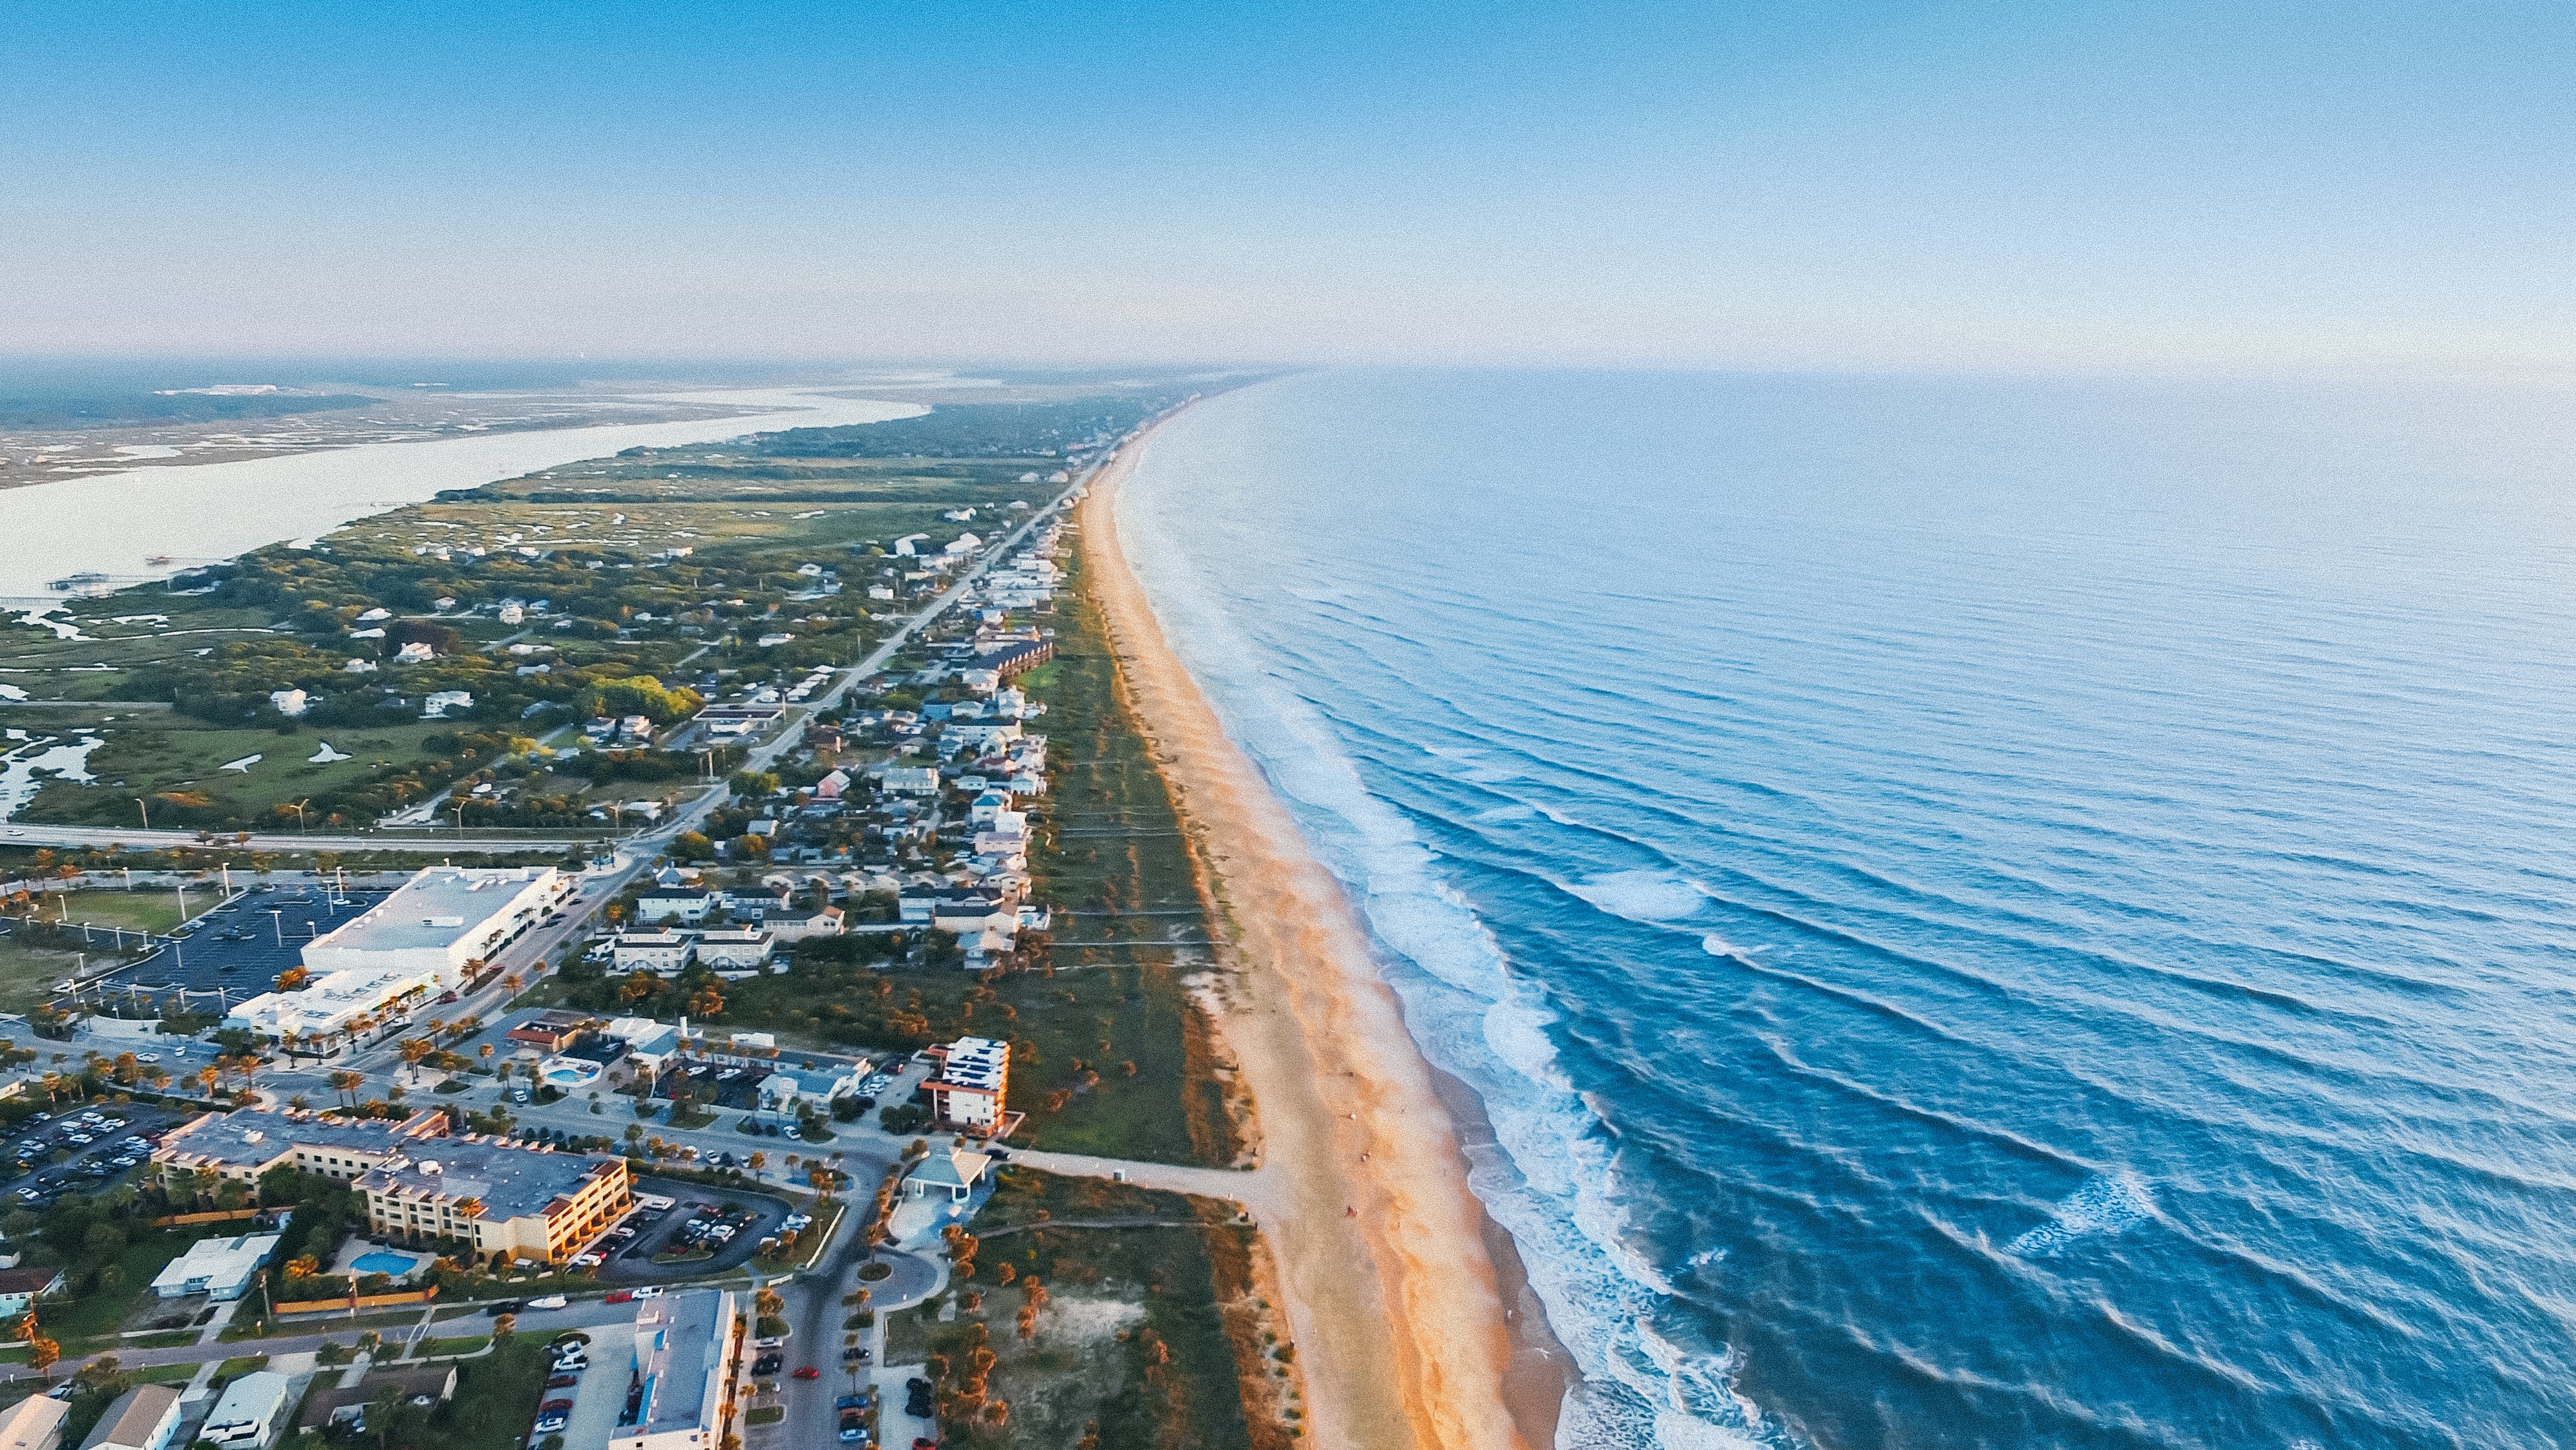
column 2178, row 186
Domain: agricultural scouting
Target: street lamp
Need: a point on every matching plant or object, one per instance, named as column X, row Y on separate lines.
column 141, row 805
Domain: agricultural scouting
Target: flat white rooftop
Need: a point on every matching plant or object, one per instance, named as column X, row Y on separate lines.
column 436, row 909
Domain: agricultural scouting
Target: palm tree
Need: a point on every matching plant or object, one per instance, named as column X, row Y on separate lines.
column 346, row 1084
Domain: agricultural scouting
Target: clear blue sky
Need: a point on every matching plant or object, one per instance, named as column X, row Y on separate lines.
column 2240, row 184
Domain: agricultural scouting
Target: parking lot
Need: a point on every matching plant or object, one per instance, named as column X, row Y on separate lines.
column 104, row 1143
column 731, row 1222
column 238, row 949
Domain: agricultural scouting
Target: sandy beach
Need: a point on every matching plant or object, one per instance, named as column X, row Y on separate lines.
column 1395, row 1302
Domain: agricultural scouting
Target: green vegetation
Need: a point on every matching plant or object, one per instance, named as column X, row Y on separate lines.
column 496, row 1394
column 646, row 579
column 1120, row 1333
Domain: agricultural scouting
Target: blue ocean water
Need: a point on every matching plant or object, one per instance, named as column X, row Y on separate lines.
column 1984, row 913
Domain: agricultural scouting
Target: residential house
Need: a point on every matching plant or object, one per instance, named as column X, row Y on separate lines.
column 685, row 904
column 20, row 1288
column 739, row 953
column 36, row 1422
column 796, row 924
column 145, row 1417
column 222, row 1269
column 663, row 953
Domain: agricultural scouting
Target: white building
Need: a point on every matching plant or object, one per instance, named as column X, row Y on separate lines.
column 784, row 1090
column 910, row 781
column 220, row 1269
column 973, row 1084
column 414, row 653
column 289, row 702
column 663, row 953
column 247, row 1416
column 420, row 941
column 688, row 1355
column 744, row 952
column 442, row 701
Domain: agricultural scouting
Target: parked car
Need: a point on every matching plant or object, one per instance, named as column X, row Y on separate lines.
column 649, row 1291
column 808, row 1372
column 563, row 1382
column 769, row 1364
column 854, row 1426
column 550, row 1301
column 619, row 1296
column 551, row 1424
column 553, row 1406
column 500, row 1307
column 851, row 1402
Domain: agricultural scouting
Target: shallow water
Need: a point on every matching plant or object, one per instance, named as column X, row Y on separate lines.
column 1985, row 914
column 111, row 523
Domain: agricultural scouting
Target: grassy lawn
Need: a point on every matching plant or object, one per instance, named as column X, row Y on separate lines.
column 167, row 751
column 28, row 973
column 102, row 1311
column 146, row 908
column 496, row 1397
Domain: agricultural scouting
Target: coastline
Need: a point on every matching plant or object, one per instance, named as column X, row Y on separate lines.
column 1415, row 1348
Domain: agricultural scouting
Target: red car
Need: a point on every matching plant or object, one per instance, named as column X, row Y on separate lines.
column 552, row 1406
column 809, row 1372
column 620, row 1296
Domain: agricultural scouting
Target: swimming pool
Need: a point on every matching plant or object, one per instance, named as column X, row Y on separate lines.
column 380, row 1262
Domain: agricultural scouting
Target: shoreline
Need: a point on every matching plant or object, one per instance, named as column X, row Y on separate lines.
column 1368, row 1161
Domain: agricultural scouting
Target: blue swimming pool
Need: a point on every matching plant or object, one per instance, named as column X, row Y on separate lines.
column 380, row 1262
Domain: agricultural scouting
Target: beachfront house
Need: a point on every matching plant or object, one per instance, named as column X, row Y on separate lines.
column 663, row 953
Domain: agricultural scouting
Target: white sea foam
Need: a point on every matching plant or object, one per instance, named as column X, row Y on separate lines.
column 1648, row 896
column 2104, row 1205
column 1554, row 1186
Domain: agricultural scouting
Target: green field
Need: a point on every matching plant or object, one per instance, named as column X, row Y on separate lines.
column 150, row 754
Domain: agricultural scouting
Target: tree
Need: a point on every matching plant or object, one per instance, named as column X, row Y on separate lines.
column 42, row 1355
column 769, row 1302
column 504, row 1327
column 390, row 1413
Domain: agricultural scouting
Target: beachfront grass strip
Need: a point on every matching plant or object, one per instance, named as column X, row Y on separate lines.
column 1135, row 1329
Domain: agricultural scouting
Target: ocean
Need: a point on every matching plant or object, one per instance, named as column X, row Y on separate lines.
column 1984, row 912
